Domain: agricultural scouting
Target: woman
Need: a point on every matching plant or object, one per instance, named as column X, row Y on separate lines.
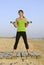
column 21, row 24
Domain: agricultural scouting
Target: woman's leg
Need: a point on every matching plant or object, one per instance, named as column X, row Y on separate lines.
column 17, row 40
column 25, row 41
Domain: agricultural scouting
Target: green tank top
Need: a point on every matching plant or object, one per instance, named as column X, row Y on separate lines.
column 21, row 25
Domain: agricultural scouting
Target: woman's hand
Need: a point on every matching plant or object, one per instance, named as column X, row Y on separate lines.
column 27, row 23
column 14, row 23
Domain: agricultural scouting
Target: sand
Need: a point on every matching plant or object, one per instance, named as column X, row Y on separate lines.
column 35, row 45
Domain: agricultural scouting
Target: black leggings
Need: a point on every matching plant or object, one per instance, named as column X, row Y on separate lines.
column 23, row 34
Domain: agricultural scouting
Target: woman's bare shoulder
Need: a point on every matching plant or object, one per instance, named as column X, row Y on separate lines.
column 25, row 18
column 17, row 19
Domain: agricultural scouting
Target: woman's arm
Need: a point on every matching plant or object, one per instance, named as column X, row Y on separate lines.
column 14, row 23
column 27, row 23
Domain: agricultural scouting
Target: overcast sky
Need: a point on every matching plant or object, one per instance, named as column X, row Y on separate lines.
column 33, row 10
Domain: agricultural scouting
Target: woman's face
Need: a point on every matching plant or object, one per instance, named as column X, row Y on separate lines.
column 20, row 13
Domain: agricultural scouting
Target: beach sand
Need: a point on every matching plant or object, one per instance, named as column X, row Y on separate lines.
column 35, row 45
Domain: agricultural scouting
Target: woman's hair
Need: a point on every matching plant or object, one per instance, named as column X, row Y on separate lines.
column 22, row 12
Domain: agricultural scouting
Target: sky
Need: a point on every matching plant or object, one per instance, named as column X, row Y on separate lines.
column 33, row 11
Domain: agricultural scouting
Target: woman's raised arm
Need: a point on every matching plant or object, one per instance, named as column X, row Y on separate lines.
column 14, row 23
